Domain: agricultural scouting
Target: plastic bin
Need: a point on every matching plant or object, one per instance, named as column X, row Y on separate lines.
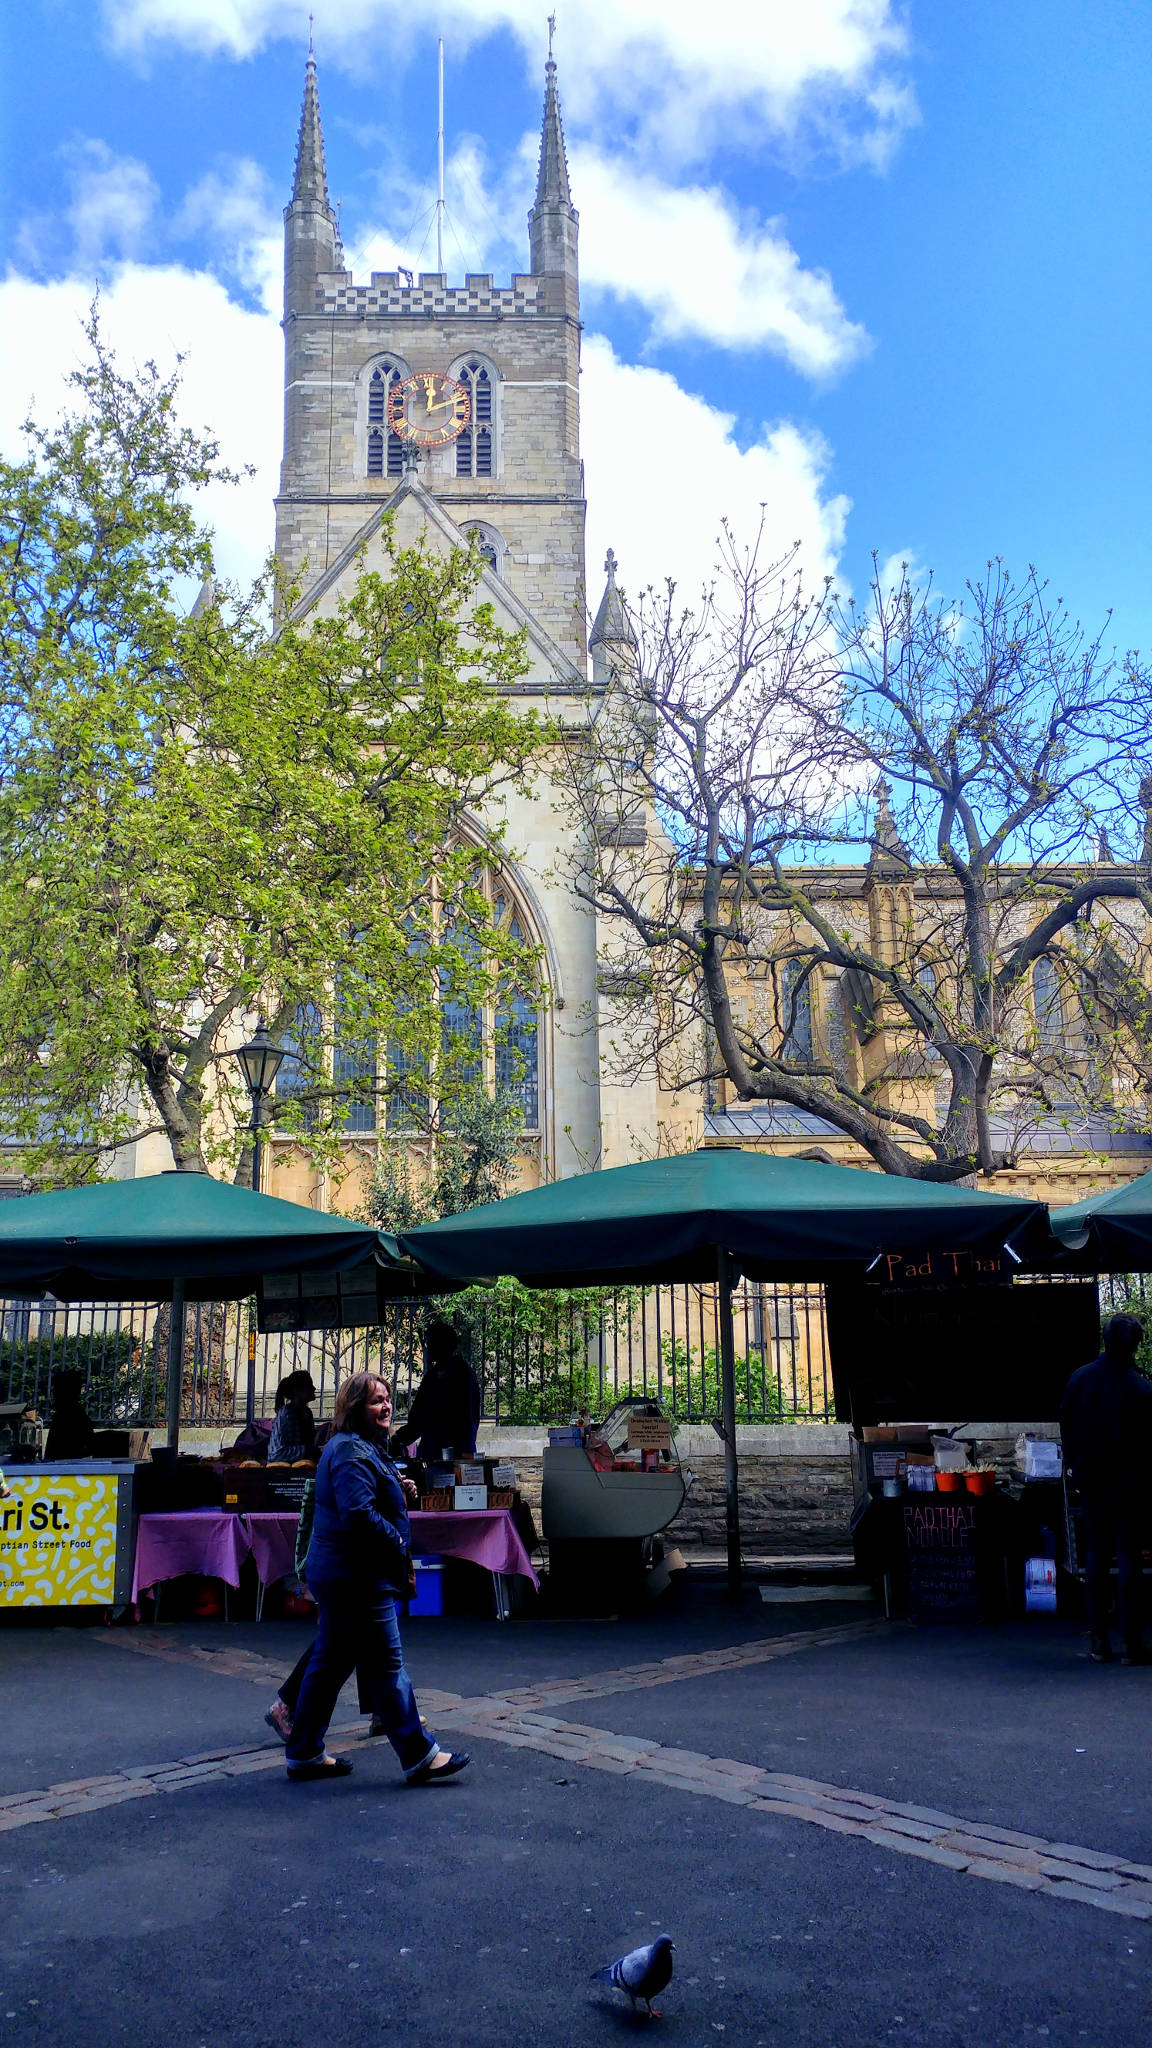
column 429, row 1586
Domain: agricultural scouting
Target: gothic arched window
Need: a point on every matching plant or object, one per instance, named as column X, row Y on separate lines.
column 796, row 1011
column 1047, row 1005
column 490, row 546
column 492, row 1043
column 385, row 450
column 476, row 446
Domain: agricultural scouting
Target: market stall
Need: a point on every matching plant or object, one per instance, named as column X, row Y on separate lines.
column 174, row 1237
column 710, row 1215
column 215, row 1543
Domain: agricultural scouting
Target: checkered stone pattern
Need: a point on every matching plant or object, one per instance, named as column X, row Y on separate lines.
column 387, row 295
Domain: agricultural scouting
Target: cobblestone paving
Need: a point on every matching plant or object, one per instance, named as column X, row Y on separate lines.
column 520, row 1720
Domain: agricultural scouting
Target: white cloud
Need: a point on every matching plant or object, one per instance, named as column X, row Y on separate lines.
column 232, row 382
column 663, row 470
column 680, row 76
column 232, row 211
column 703, row 273
column 109, row 215
column 699, row 268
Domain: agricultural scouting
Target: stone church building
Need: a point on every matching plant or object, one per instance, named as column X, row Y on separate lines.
column 455, row 409
column 356, row 355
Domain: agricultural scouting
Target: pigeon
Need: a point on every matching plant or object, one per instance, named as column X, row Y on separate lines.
column 642, row 1972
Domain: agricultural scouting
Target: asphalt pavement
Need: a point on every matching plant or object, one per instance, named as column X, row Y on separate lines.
column 471, row 1915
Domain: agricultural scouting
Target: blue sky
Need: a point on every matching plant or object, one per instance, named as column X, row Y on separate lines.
column 882, row 267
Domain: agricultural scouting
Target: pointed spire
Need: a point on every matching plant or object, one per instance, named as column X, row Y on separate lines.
column 612, row 626
column 311, row 179
column 552, row 187
column 889, row 858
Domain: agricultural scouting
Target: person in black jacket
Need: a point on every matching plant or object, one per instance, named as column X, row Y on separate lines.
column 71, row 1433
column 445, row 1411
column 358, row 1565
column 1106, row 1427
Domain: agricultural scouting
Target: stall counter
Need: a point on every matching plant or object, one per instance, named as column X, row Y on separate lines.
column 67, row 1534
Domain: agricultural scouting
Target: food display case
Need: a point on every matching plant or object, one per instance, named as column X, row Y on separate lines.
column 624, row 1483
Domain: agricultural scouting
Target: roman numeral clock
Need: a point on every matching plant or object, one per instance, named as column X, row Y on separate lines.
column 429, row 409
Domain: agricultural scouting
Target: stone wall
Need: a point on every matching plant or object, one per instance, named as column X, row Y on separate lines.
column 795, row 1487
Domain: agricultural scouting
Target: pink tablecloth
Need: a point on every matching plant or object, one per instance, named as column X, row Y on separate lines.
column 199, row 1540
column 486, row 1537
column 273, row 1545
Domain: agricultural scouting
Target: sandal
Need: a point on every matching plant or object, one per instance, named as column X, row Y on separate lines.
column 279, row 1719
column 324, row 1767
column 430, row 1774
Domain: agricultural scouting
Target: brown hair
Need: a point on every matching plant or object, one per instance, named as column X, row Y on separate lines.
column 352, row 1400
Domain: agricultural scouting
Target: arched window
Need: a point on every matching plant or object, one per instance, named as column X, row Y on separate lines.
column 385, row 450
column 517, row 1034
column 926, row 976
column 1047, row 1005
column 490, row 545
column 476, row 446
column 492, row 1044
column 304, row 1068
column 353, row 1067
column 795, row 1011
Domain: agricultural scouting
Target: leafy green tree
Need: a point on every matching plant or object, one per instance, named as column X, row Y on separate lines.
column 202, row 818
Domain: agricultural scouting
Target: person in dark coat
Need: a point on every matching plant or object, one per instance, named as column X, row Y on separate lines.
column 358, row 1564
column 445, row 1411
column 71, row 1433
column 1106, row 1427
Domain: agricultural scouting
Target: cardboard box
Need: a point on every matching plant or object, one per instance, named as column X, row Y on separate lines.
column 1039, row 1457
column 950, row 1454
column 469, row 1498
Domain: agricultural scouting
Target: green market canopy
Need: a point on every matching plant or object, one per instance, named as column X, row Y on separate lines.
column 136, row 1239
column 666, row 1219
column 1110, row 1232
column 705, row 1215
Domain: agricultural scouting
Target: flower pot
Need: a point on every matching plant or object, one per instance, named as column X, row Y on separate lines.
column 980, row 1482
column 950, row 1482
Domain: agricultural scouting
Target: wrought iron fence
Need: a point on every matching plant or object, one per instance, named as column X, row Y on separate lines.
column 538, row 1357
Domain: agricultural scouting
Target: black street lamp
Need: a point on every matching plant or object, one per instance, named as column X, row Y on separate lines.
column 260, row 1061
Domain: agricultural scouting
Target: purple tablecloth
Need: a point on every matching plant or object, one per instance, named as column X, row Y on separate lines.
column 273, row 1545
column 486, row 1537
column 199, row 1540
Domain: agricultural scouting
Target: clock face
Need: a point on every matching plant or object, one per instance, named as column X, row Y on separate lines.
column 429, row 408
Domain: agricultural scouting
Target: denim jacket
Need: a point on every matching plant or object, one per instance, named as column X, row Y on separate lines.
column 360, row 1527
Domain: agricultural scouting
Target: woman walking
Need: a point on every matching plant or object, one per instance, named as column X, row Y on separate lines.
column 358, row 1565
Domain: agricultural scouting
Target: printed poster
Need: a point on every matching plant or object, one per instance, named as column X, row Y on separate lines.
column 58, row 1540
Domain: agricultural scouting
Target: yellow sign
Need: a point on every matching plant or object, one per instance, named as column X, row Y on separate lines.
column 58, row 1540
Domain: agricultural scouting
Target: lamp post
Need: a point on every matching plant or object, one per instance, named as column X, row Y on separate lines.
column 260, row 1061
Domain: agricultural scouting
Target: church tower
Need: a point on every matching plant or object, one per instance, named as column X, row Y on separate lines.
column 508, row 462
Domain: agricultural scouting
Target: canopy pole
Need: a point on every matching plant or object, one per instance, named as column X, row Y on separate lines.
column 175, row 1363
column 728, row 1418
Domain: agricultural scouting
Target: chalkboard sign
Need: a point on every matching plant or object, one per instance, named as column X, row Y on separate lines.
column 940, row 1537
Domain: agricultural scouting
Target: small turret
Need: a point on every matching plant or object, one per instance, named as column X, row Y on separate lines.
column 553, row 223
column 612, row 643
column 311, row 236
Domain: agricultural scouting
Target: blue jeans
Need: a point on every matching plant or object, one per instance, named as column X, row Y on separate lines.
column 357, row 1627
